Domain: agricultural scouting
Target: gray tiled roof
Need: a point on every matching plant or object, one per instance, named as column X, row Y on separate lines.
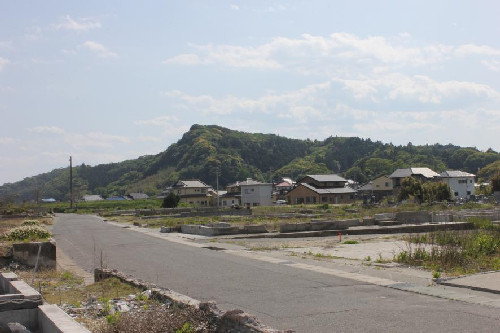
column 190, row 183
column 403, row 173
column 334, row 190
column 327, row 178
column 455, row 174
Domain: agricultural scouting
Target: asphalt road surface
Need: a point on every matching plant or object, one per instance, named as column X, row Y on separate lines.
column 281, row 296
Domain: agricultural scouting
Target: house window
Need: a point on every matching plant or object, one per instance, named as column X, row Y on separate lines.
column 462, row 181
column 470, row 181
column 203, row 190
column 386, row 184
column 224, row 203
column 255, row 204
column 308, row 199
column 324, row 199
column 468, row 192
column 247, row 191
column 178, row 191
column 456, row 194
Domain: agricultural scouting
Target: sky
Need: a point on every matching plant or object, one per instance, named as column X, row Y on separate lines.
column 106, row 81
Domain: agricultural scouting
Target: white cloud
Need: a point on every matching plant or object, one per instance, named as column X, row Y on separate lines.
column 235, row 7
column 184, row 59
column 3, row 62
column 158, row 121
column 68, row 51
column 417, row 88
column 81, row 24
column 47, row 129
column 298, row 53
column 338, row 54
column 99, row 49
column 33, row 33
column 6, row 140
column 468, row 49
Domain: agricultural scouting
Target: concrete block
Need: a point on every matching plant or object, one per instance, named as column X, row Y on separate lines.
column 385, row 216
column 26, row 254
column 54, row 320
column 368, row 220
column 21, row 287
column 254, row 229
column 413, row 217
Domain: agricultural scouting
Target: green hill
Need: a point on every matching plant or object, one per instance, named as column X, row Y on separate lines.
column 237, row 155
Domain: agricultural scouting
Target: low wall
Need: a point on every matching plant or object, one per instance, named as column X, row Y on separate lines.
column 22, row 304
column 228, row 321
column 318, row 225
column 26, row 254
column 413, row 217
column 221, row 229
column 385, row 217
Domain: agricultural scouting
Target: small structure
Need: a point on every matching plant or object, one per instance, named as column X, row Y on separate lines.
column 116, row 198
column 138, row 196
column 192, row 192
column 462, row 184
column 92, row 197
column 49, row 200
column 328, row 189
column 255, row 193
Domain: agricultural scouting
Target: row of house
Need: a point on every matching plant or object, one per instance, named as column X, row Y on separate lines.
column 250, row 193
column 462, row 184
column 311, row 189
column 315, row 189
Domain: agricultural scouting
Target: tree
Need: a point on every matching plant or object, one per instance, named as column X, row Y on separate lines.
column 495, row 182
column 171, row 200
column 436, row 191
column 411, row 187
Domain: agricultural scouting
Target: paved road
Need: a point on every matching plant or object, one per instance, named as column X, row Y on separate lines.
column 281, row 296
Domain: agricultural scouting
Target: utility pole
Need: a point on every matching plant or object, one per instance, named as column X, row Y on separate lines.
column 217, row 181
column 71, row 181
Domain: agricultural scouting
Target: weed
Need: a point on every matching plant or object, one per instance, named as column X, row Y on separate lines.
column 186, row 328
column 368, row 258
column 350, row 241
column 113, row 318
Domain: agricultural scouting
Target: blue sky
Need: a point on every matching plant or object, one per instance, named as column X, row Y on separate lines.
column 106, row 81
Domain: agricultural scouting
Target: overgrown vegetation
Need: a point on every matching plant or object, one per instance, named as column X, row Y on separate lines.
column 27, row 232
column 455, row 251
column 69, row 292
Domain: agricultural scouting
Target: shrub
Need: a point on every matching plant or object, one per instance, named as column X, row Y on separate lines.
column 30, row 232
column 31, row 222
column 171, row 200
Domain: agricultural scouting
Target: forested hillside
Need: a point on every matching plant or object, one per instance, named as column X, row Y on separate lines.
column 205, row 150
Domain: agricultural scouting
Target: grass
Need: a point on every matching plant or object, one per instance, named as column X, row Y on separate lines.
column 66, row 288
column 455, row 251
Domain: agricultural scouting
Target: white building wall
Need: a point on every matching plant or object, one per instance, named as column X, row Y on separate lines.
column 256, row 195
column 461, row 187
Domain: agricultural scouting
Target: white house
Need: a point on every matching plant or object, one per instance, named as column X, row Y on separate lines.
column 254, row 193
column 461, row 183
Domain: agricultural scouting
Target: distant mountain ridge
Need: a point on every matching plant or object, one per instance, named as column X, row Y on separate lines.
column 207, row 149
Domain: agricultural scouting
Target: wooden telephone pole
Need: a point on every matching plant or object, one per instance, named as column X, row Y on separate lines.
column 71, row 181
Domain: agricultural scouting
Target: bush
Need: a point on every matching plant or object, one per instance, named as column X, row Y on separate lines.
column 30, row 232
column 31, row 222
column 171, row 200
